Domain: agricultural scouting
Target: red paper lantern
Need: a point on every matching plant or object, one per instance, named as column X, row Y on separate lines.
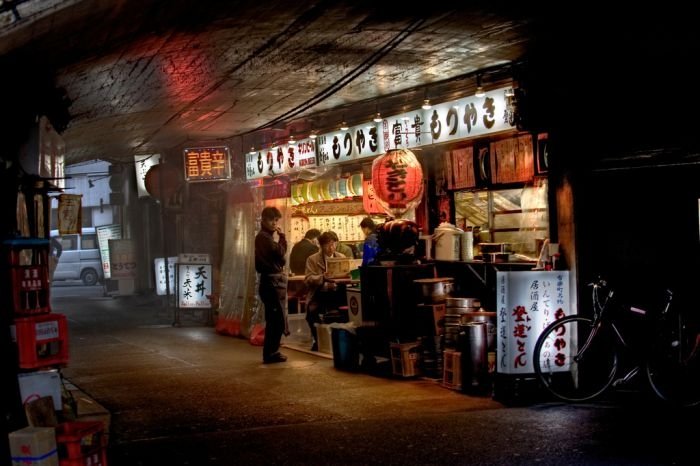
column 162, row 181
column 397, row 178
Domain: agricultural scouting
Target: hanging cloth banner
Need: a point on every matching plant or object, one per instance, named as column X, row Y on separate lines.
column 70, row 214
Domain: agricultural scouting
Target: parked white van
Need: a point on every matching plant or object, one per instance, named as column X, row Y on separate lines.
column 80, row 257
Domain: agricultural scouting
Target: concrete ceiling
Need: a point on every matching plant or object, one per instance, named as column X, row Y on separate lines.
column 146, row 76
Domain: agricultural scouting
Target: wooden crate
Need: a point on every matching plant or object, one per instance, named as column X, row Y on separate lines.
column 451, row 372
column 405, row 359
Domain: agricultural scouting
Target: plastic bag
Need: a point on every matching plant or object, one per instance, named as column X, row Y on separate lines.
column 257, row 335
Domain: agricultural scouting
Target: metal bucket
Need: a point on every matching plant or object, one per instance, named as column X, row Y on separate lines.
column 473, row 343
column 487, row 318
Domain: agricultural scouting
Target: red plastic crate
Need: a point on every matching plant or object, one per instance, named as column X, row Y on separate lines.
column 42, row 340
column 98, row 458
column 77, row 440
column 27, row 275
column 30, row 289
column 25, row 251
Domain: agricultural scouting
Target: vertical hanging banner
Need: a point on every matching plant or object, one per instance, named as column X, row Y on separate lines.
column 70, row 218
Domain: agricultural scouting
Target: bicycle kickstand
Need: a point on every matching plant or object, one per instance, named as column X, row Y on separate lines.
column 629, row 376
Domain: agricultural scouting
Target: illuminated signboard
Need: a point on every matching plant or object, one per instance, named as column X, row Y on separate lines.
column 464, row 118
column 143, row 163
column 194, row 285
column 104, row 234
column 527, row 303
column 354, row 143
column 161, row 287
column 460, row 119
column 207, row 164
column 280, row 159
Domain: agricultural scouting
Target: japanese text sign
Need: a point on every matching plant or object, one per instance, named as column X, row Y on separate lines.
column 194, row 284
column 526, row 303
column 207, row 164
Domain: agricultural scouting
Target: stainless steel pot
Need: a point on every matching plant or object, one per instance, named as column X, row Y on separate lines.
column 463, row 302
column 434, row 290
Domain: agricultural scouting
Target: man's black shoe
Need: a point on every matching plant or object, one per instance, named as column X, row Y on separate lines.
column 275, row 357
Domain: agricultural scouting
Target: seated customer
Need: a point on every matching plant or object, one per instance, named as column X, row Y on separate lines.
column 302, row 250
column 322, row 295
column 345, row 250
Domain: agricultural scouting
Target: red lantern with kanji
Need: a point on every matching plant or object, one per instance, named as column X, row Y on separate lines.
column 397, row 179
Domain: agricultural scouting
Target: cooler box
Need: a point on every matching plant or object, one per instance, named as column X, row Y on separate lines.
column 37, row 384
column 345, row 349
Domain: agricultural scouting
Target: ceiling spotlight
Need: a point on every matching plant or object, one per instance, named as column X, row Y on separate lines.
column 344, row 126
column 252, row 150
column 377, row 118
column 479, row 89
column 426, row 105
column 313, row 134
column 292, row 141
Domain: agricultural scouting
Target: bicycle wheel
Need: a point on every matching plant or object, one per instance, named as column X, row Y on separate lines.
column 673, row 365
column 575, row 360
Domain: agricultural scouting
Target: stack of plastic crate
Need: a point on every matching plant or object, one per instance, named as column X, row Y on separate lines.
column 41, row 336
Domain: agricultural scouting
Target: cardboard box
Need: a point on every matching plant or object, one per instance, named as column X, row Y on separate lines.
column 33, row 446
column 323, row 331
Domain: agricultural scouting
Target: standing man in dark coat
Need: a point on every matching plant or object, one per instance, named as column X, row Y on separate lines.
column 270, row 249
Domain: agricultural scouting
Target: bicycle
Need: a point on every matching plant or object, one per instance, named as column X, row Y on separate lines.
column 577, row 358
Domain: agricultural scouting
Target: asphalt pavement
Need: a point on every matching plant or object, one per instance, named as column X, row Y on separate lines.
column 189, row 396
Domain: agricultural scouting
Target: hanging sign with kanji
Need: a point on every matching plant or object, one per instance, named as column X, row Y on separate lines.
column 207, row 164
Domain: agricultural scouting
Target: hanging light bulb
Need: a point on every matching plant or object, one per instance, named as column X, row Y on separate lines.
column 479, row 89
column 292, row 141
column 313, row 134
column 344, row 126
column 426, row 104
column 377, row 118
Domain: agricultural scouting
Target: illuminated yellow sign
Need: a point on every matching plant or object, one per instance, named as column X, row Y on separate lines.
column 207, row 164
